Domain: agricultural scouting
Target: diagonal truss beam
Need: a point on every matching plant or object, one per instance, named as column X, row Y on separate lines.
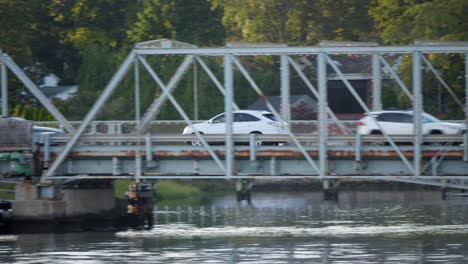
column 417, row 112
column 275, row 113
column 5, row 59
column 441, row 80
column 214, row 80
column 315, row 93
column 364, row 106
column 167, row 94
column 396, row 78
column 154, row 108
column 113, row 83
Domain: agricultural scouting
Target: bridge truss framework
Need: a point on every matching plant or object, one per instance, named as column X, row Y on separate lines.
column 322, row 156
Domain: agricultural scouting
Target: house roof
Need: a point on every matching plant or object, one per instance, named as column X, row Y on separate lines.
column 275, row 101
column 354, row 66
column 51, row 91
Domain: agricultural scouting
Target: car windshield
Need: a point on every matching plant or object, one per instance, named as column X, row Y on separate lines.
column 427, row 118
column 270, row 116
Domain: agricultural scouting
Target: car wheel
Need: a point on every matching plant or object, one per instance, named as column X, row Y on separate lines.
column 257, row 142
column 436, row 132
column 196, row 143
column 377, row 132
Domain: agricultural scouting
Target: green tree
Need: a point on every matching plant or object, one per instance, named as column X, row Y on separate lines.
column 403, row 21
column 296, row 22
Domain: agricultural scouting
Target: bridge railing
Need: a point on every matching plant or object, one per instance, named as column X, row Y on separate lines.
column 177, row 126
column 283, row 140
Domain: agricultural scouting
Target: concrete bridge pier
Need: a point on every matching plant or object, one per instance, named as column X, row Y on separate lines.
column 330, row 189
column 36, row 203
column 244, row 190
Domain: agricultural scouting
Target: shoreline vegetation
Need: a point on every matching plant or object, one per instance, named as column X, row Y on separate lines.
column 195, row 192
column 174, row 192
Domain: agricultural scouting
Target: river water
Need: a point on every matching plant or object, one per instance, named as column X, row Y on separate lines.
column 278, row 227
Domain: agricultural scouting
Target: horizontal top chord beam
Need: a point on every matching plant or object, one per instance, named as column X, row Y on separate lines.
column 303, row 50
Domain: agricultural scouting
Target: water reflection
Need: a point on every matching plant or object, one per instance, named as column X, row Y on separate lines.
column 362, row 227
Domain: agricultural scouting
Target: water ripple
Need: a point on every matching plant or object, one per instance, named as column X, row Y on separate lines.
column 188, row 231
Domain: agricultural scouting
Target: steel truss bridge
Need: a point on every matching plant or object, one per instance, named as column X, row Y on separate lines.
column 82, row 153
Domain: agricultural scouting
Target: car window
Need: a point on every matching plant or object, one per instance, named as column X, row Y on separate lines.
column 386, row 117
column 220, row 119
column 270, row 116
column 395, row 117
column 405, row 118
column 426, row 118
column 242, row 117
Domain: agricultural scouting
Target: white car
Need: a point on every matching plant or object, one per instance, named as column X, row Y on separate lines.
column 401, row 123
column 36, row 129
column 244, row 122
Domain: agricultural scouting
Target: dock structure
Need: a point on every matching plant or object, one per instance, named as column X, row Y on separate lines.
column 83, row 154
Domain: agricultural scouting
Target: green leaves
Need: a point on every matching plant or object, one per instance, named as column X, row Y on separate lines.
column 403, row 21
column 83, row 41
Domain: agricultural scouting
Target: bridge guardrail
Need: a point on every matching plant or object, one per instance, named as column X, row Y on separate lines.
column 178, row 138
column 176, row 126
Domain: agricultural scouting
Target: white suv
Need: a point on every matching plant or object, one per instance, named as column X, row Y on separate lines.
column 244, row 122
column 401, row 123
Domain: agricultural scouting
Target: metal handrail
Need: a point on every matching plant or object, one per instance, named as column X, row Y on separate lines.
column 245, row 138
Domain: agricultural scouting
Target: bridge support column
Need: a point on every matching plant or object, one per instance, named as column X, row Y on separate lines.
column 50, row 203
column 140, row 204
column 244, row 190
column 330, row 190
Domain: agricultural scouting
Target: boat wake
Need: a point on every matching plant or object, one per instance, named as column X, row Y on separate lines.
column 190, row 231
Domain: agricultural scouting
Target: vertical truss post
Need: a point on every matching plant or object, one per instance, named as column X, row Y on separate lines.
column 138, row 163
column 228, row 98
column 417, row 109
column 149, row 154
column 466, row 109
column 466, row 90
column 358, row 156
column 4, row 84
column 323, row 120
column 195, row 90
column 138, row 171
column 285, row 90
column 113, row 83
column 376, row 83
column 137, row 91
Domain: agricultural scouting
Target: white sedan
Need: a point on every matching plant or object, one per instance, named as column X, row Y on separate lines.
column 401, row 123
column 244, row 122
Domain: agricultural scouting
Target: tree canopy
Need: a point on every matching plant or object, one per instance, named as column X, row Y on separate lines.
column 84, row 41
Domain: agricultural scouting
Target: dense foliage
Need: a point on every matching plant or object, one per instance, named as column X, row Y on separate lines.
column 84, row 42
